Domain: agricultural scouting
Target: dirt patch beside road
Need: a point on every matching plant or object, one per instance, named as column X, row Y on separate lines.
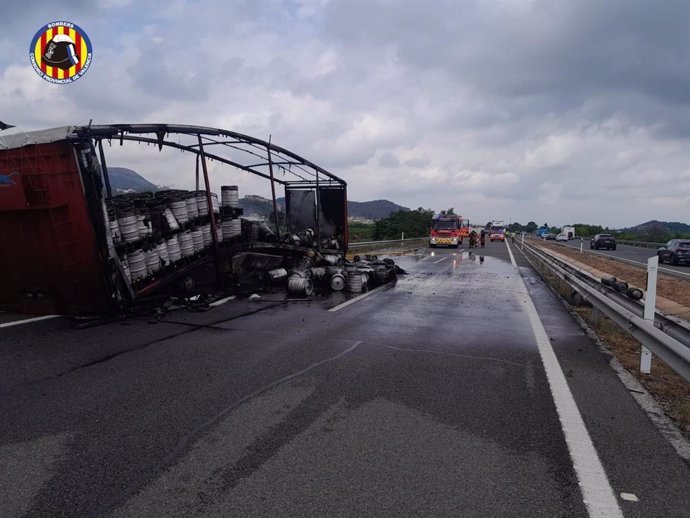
column 670, row 390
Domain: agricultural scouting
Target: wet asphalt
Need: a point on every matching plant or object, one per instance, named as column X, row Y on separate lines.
column 427, row 397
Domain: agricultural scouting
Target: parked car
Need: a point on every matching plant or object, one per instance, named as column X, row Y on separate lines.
column 549, row 237
column 603, row 241
column 562, row 237
column 676, row 251
column 497, row 236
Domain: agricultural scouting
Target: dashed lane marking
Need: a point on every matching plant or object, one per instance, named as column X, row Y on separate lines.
column 27, row 321
column 358, row 298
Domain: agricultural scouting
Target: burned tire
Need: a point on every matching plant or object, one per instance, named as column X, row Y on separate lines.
column 674, row 260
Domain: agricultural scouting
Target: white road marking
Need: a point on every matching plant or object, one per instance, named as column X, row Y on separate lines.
column 222, row 301
column 596, row 491
column 358, row 298
column 27, row 321
column 442, row 259
column 629, row 497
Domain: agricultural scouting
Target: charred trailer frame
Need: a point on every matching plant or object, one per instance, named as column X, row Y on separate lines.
column 58, row 252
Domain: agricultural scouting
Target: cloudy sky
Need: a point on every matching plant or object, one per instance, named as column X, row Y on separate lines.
column 558, row 111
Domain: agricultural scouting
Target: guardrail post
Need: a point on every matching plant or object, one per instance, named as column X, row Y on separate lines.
column 581, row 244
column 649, row 310
column 596, row 315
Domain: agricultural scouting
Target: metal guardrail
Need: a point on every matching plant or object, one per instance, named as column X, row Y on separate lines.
column 641, row 244
column 388, row 244
column 667, row 337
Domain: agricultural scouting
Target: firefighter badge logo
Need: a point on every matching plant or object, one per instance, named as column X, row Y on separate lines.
column 60, row 52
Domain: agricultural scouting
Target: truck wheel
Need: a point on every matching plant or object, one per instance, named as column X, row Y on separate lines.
column 674, row 260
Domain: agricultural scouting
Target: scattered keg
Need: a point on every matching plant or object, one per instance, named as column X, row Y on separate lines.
column 179, row 210
column 230, row 196
column 226, row 225
column 621, row 286
column 299, row 285
column 192, row 208
column 162, row 248
column 609, row 281
column 634, row 293
column 206, row 233
column 174, row 251
column 186, row 243
column 129, row 227
column 173, row 225
column 367, row 275
column 331, row 259
column 381, row 274
column 354, row 280
column 250, row 229
column 197, row 240
column 337, row 278
column 306, row 262
column 201, row 203
column 235, row 227
column 153, row 261
column 318, row 273
column 137, row 264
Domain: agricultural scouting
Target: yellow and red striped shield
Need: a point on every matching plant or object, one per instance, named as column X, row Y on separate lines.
column 60, row 52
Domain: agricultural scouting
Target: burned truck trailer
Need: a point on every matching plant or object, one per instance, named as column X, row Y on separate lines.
column 70, row 247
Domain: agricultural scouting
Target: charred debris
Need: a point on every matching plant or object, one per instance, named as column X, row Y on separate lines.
column 73, row 248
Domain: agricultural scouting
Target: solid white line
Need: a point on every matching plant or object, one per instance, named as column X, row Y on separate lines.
column 27, row 321
column 597, row 494
column 358, row 298
column 222, row 301
column 442, row 259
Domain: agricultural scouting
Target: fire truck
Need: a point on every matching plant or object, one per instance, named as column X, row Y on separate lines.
column 448, row 230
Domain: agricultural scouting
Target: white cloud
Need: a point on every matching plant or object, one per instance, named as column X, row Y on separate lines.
column 522, row 110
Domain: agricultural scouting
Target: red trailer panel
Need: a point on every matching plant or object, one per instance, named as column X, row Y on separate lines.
column 49, row 259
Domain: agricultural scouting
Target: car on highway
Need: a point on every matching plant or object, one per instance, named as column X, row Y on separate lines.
column 603, row 241
column 676, row 251
column 562, row 237
column 497, row 236
column 549, row 237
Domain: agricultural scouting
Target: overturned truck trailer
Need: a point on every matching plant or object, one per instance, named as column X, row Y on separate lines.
column 70, row 247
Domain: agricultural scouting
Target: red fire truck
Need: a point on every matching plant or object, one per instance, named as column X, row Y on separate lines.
column 448, row 230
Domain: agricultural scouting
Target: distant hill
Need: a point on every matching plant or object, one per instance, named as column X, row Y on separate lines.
column 658, row 231
column 377, row 209
column 124, row 180
column 667, row 226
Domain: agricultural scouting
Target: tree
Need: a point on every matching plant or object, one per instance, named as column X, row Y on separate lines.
column 414, row 223
column 531, row 227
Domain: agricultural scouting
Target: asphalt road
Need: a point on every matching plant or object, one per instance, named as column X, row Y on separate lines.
column 631, row 253
column 429, row 397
